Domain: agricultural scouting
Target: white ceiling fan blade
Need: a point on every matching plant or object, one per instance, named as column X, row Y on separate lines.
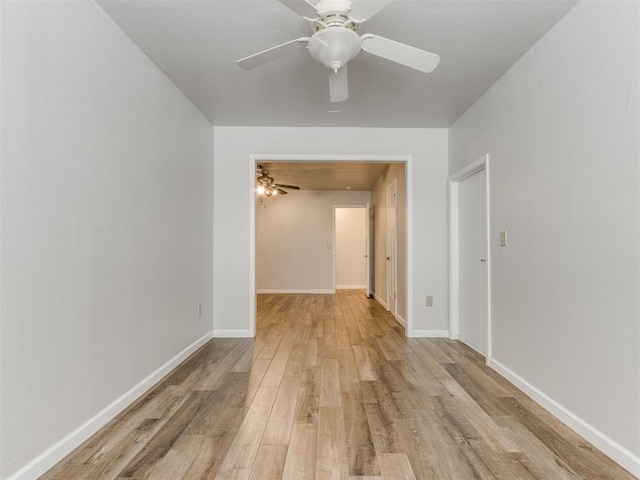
column 400, row 53
column 363, row 10
column 304, row 8
column 266, row 56
column 339, row 85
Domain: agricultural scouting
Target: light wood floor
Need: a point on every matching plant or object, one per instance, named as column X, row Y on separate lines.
column 331, row 389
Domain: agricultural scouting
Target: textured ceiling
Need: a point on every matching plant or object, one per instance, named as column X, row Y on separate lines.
column 355, row 176
column 196, row 43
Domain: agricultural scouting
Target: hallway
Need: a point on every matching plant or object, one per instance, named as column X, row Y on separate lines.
column 332, row 389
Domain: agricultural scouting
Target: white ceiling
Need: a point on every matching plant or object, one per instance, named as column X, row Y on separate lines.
column 196, row 43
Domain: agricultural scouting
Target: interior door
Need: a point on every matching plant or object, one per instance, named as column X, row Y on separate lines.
column 472, row 274
column 368, row 250
column 392, row 295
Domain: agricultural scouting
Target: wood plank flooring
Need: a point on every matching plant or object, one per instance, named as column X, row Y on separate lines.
column 331, row 388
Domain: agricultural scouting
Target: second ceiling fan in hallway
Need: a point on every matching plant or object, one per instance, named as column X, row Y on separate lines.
column 265, row 185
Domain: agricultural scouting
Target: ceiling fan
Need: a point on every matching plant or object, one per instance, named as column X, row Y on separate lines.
column 336, row 40
column 265, row 185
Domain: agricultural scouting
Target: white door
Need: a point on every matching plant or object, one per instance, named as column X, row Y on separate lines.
column 368, row 250
column 392, row 265
column 472, row 251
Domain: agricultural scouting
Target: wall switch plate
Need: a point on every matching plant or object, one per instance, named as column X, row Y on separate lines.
column 429, row 301
column 503, row 238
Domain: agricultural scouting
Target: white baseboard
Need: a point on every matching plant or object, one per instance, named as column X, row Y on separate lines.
column 428, row 334
column 401, row 321
column 62, row 448
column 231, row 334
column 381, row 302
column 610, row 447
column 351, row 287
column 301, row 291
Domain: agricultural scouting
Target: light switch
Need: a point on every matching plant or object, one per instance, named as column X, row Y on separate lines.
column 503, row 238
column 328, row 245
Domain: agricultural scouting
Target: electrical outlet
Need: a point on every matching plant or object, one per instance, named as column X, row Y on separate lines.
column 429, row 301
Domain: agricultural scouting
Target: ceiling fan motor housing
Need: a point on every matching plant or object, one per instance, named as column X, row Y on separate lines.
column 334, row 46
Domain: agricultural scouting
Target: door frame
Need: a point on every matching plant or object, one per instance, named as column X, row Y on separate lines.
column 255, row 159
column 454, row 181
column 369, row 248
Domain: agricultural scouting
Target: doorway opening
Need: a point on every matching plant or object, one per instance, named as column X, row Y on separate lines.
column 351, row 248
column 404, row 160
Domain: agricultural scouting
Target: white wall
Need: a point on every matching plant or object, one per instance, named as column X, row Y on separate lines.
column 561, row 128
column 294, row 240
column 350, row 247
column 106, row 223
column 232, row 175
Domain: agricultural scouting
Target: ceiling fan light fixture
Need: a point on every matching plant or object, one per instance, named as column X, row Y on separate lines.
column 266, row 186
column 336, row 41
column 334, row 47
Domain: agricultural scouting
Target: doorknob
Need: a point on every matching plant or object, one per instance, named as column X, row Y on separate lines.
column 388, row 258
column 483, row 260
